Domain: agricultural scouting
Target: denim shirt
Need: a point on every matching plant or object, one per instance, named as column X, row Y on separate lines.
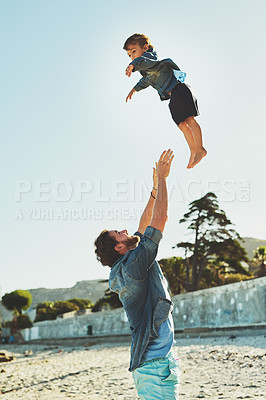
column 155, row 73
column 142, row 289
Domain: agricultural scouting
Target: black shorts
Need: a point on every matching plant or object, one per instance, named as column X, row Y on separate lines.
column 183, row 104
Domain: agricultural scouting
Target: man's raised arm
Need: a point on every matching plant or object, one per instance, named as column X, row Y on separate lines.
column 146, row 217
column 160, row 209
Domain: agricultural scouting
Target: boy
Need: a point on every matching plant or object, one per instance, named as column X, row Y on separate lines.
column 169, row 85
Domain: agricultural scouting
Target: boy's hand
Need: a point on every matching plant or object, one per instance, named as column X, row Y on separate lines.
column 129, row 70
column 130, row 94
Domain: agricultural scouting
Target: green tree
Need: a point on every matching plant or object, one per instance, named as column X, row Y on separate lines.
column 50, row 310
column 17, row 301
column 260, row 260
column 81, row 303
column 23, row 321
column 63, row 307
column 45, row 311
column 110, row 300
column 213, row 239
column 174, row 269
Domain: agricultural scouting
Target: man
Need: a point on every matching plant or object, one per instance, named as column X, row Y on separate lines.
column 142, row 289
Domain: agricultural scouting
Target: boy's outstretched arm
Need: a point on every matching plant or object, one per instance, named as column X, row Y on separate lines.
column 129, row 70
column 142, row 84
column 130, row 94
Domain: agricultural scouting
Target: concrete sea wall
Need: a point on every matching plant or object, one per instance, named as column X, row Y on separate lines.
column 233, row 305
column 240, row 303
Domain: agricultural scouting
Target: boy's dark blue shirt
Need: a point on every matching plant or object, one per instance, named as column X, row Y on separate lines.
column 156, row 73
column 142, row 289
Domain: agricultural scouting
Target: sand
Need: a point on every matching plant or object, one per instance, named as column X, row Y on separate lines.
column 212, row 368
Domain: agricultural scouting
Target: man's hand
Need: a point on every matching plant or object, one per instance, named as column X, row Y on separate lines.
column 130, row 94
column 164, row 164
column 155, row 178
column 147, row 213
column 129, row 70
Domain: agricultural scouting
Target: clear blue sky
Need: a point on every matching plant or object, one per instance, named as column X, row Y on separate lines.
column 65, row 126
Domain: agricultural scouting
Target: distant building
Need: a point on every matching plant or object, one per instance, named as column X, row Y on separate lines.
column 5, row 315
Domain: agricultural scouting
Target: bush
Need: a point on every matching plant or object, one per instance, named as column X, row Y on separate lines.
column 7, row 324
column 44, row 314
column 45, row 304
column 81, row 303
column 49, row 310
column 23, row 322
column 109, row 301
column 232, row 278
column 99, row 306
column 63, row 307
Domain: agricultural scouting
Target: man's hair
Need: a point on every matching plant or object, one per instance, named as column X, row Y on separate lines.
column 105, row 249
column 137, row 38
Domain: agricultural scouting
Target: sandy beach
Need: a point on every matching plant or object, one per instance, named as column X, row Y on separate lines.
column 212, row 368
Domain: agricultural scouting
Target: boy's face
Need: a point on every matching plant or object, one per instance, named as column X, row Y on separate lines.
column 135, row 50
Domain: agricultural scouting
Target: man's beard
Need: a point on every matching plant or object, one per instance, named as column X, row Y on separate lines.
column 132, row 242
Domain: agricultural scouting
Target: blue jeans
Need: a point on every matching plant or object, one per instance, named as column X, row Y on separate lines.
column 158, row 379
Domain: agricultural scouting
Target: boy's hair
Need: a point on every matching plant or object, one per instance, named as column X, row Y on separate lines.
column 104, row 249
column 137, row 38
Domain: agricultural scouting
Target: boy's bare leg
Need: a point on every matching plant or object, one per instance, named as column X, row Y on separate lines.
column 188, row 134
column 200, row 151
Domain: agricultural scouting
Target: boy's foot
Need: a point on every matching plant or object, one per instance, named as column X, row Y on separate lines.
column 191, row 160
column 199, row 155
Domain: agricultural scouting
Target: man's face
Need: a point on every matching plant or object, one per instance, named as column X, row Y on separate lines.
column 120, row 236
column 135, row 50
column 125, row 241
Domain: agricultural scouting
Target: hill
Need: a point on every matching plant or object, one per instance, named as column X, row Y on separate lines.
column 251, row 244
column 92, row 290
